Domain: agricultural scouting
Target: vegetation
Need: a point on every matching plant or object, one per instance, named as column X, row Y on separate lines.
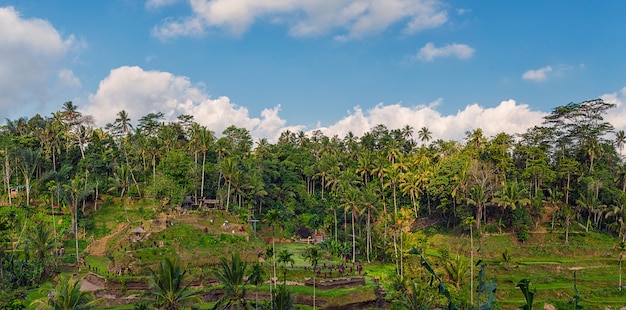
column 70, row 185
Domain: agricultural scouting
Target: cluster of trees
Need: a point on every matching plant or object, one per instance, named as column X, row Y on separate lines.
column 365, row 191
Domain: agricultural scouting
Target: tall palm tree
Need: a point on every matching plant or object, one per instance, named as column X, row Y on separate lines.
column 621, row 248
column 255, row 278
column 272, row 218
column 370, row 207
column 313, row 256
column 66, row 295
column 352, row 204
column 231, row 275
column 167, row 288
column 206, row 139
column 29, row 161
column 620, row 140
column 228, row 168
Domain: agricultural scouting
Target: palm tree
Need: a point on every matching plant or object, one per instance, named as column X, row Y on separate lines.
column 282, row 299
column 228, row 168
column 621, row 248
column 567, row 214
column 369, row 204
column 285, row 257
column 620, row 140
column 231, row 275
column 313, row 255
column 424, row 134
column 40, row 240
column 29, row 161
column 167, row 288
column 470, row 221
column 66, row 295
column 272, row 218
column 511, row 195
column 255, row 278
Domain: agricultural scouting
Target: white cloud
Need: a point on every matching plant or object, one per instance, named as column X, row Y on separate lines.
column 32, row 56
column 616, row 116
column 508, row 117
column 429, row 52
column 538, row 75
column 351, row 18
column 67, row 77
column 140, row 92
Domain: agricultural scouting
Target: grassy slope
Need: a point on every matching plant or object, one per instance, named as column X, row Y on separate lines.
column 544, row 258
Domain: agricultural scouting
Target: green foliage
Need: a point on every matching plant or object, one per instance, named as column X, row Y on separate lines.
column 529, row 294
column 282, row 299
column 66, row 295
column 167, row 286
column 231, row 275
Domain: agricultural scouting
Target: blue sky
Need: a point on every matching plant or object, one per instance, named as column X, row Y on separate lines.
column 337, row 66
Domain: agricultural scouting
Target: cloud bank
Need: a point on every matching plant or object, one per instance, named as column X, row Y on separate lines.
column 32, row 56
column 140, row 92
column 350, row 18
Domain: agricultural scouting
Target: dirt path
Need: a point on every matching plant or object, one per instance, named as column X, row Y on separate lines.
column 98, row 247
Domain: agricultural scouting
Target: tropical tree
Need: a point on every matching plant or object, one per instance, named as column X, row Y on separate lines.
column 282, row 299
column 29, row 161
column 40, row 240
column 66, row 295
column 620, row 140
column 424, row 134
column 167, row 288
column 313, row 255
column 512, row 195
column 567, row 214
column 272, row 218
column 257, row 274
column 285, row 257
column 231, row 275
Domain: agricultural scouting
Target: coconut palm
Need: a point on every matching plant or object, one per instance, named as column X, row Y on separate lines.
column 282, row 299
column 66, row 295
column 313, row 256
column 167, row 288
column 272, row 218
column 285, row 257
column 620, row 140
column 512, row 195
column 424, row 134
column 231, row 275
column 255, row 278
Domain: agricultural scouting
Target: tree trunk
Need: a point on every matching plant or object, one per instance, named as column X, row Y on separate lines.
column 202, row 185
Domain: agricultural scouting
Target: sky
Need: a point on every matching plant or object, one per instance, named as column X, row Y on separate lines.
column 337, row 66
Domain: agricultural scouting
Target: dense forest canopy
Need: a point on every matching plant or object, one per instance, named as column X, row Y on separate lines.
column 382, row 182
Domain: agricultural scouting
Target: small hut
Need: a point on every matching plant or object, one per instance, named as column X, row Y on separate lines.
column 139, row 231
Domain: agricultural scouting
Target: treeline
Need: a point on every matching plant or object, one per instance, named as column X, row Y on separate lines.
column 383, row 181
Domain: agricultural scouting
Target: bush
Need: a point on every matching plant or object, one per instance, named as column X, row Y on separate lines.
column 303, row 232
